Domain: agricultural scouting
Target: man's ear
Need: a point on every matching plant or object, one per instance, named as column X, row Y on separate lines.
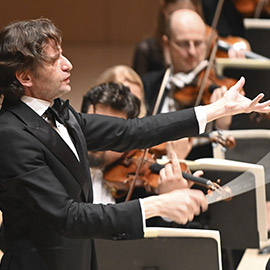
column 25, row 78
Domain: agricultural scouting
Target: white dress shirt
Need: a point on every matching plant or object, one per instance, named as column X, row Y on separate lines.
column 40, row 106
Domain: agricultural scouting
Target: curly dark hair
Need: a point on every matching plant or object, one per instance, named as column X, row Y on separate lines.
column 115, row 95
column 22, row 46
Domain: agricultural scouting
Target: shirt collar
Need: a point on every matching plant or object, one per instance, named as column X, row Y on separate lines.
column 37, row 105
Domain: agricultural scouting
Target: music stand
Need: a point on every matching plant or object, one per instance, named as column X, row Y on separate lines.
column 257, row 31
column 162, row 248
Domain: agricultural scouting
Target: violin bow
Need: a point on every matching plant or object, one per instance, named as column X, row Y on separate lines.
column 259, row 8
column 213, row 53
column 157, row 104
column 214, row 24
column 206, row 75
column 162, row 89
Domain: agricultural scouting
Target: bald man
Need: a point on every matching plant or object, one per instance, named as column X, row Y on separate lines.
column 185, row 40
column 185, row 43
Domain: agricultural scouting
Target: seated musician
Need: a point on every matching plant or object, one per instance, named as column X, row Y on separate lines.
column 185, row 43
column 127, row 76
column 149, row 54
column 116, row 100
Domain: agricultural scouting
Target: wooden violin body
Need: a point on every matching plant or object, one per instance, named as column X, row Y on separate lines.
column 188, row 95
column 120, row 174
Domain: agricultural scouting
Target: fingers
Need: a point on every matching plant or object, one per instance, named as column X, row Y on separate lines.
column 257, row 99
column 180, row 205
column 218, row 93
column 259, row 107
column 172, row 170
column 187, row 204
column 171, row 176
column 162, row 174
column 233, row 53
column 198, row 173
column 175, row 164
column 263, row 107
column 195, row 203
column 239, row 85
column 200, row 200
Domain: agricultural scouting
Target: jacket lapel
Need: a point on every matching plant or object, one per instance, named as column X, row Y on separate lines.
column 79, row 140
column 39, row 128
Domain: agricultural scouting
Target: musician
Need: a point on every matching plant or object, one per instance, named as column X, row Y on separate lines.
column 149, row 54
column 185, row 43
column 129, row 77
column 45, row 185
column 115, row 99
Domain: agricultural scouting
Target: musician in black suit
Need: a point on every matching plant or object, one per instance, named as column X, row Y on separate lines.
column 45, row 185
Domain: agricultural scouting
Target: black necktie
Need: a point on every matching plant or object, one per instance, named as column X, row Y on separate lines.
column 58, row 112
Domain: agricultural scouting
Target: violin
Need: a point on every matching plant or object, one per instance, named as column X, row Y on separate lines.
column 236, row 43
column 224, row 43
column 230, row 42
column 253, row 8
column 187, row 96
column 120, row 175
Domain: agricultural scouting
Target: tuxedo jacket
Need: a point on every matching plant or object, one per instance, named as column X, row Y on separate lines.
column 46, row 193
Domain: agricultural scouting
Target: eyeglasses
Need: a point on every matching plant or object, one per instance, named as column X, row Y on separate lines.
column 186, row 44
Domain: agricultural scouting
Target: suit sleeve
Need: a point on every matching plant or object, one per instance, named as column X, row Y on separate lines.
column 120, row 135
column 29, row 187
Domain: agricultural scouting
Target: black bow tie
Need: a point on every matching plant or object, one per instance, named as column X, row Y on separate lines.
column 58, row 112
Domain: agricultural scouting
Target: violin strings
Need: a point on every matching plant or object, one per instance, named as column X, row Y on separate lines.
column 241, row 184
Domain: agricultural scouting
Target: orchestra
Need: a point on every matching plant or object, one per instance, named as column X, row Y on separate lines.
column 125, row 161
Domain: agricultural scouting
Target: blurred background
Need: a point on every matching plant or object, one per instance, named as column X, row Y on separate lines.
column 96, row 33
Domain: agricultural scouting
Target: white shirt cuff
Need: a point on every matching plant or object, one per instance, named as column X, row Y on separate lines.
column 143, row 214
column 201, row 118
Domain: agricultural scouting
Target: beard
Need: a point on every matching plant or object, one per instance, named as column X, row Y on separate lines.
column 96, row 159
